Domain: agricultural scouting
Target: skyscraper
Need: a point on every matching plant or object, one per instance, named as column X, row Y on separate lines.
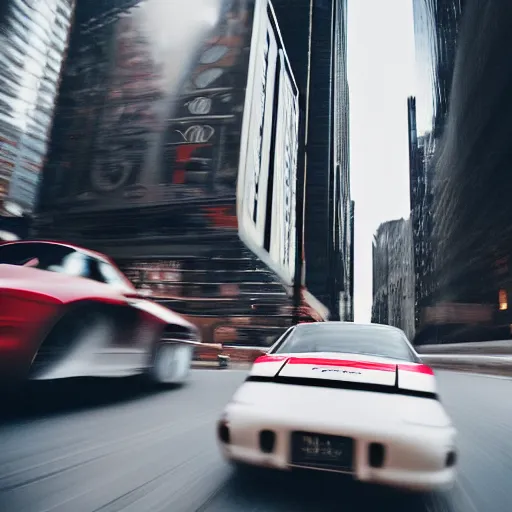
column 393, row 278
column 435, row 30
column 350, row 298
column 315, row 33
column 459, row 132
column 33, row 44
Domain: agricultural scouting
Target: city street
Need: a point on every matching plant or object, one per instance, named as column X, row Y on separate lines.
column 91, row 447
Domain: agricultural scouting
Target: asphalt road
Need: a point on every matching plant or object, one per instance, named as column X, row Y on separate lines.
column 95, row 447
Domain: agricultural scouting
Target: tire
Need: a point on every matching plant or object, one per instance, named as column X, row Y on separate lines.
column 171, row 364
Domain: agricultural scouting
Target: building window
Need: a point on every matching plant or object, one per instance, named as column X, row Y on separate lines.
column 503, row 300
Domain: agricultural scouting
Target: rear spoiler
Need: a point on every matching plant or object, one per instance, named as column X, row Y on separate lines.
column 356, row 386
column 410, row 379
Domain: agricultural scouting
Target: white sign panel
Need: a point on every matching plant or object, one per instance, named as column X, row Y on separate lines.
column 283, row 237
column 259, row 140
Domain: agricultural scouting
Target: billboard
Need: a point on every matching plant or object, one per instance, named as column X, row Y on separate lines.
column 266, row 200
column 283, row 226
column 176, row 123
column 151, row 107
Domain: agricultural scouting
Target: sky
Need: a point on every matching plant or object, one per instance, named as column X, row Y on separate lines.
column 381, row 76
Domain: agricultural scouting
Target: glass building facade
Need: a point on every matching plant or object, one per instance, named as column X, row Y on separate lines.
column 459, row 132
column 393, row 276
column 34, row 37
column 435, row 28
column 315, row 33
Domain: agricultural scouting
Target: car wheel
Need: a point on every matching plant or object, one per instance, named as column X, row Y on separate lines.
column 171, row 364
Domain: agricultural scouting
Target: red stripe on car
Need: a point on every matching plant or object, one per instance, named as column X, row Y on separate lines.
column 416, row 368
column 361, row 365
column 270, row 359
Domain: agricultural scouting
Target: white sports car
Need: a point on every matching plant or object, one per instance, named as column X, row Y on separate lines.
column 345, row 398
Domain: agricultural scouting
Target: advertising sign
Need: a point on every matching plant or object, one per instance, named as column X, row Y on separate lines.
column 256, row 165
column 266, row 197
column 283, row 227
column 151, row 107
column 188, row 108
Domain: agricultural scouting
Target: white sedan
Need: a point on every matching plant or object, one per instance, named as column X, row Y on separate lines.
column 344, row 398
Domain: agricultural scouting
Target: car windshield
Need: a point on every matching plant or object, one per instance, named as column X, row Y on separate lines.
column 64, row 260
column 352, row 339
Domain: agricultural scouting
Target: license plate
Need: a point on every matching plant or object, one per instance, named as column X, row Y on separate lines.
column 322, row 451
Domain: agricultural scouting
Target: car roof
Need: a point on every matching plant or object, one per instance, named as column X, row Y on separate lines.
column 343, row 325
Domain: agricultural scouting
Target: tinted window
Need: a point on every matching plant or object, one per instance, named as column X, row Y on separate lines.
column 48, row 254
column 112, row 275
column 351, row 339
column 64, row 260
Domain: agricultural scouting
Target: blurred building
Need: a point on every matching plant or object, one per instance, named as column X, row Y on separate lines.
column 460, row 124
column 176, row 149
column 315, row 34
column 350, row 298
column 421, row 173
column 393, row 276
column 34, row 37
column 435, row 29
